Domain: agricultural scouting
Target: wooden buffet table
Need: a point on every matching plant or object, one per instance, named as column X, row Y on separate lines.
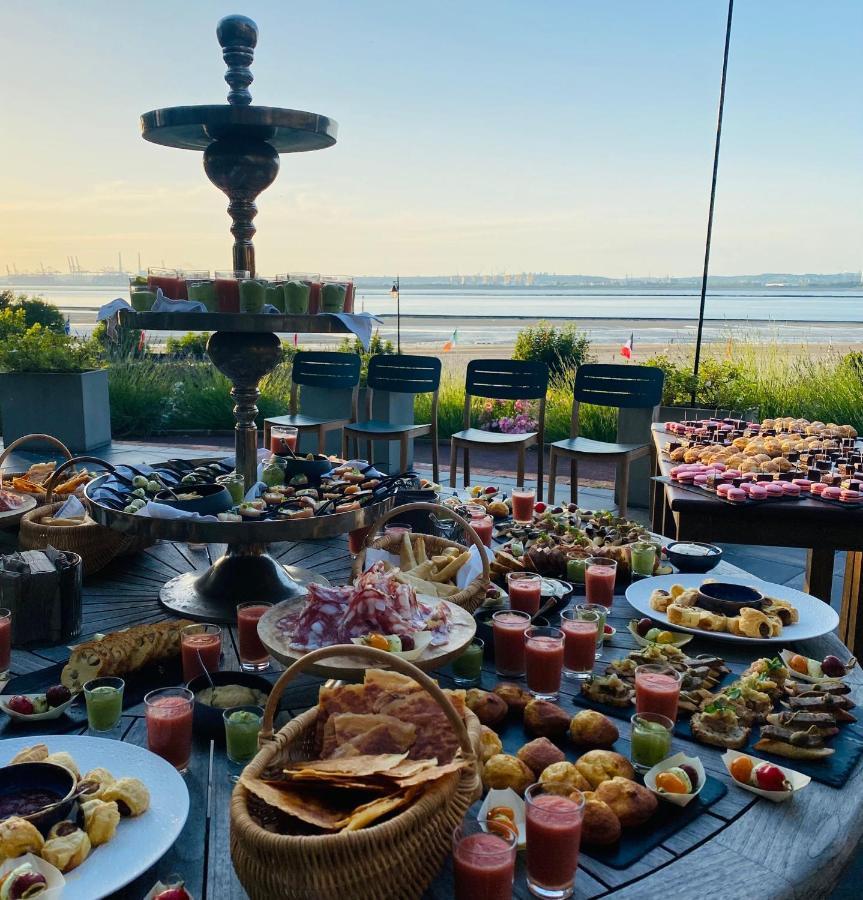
column 820, row 528
column 742, row 847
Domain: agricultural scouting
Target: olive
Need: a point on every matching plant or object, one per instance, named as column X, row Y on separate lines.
column 643, row 626
column 693, row 776
column 833, row 667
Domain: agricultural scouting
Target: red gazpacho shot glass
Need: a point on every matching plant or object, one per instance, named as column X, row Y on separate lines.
column 200, row 649
column 253, row 654
column 553, row 825
column 5, row 641
column 543, row 661
column 169, row 725
column 522, row 505
column 657, row 690
column 508, row 627
column 483, row 861
column 579, row 648
column 600, row 574
column 524, row 589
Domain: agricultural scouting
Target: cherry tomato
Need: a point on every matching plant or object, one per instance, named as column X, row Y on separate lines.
column 799, row 664
column 741, row 769
column 770, row 778
column 378, row 641
column 667, row 781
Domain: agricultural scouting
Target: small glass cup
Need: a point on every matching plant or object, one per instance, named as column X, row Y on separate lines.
column 475, row 511
column 599, row 577
column 254, row 656
column 575, row 567
column 356, row 540
column 580, row 642
column 142, row 296
column 553, row 826
column 484, row 528
column 642, row 558
column 242, row 726
column 508, row 628
column 228, row 289
column 236, row 485
column 397, row 529
column 524, row 589
column 104, row 700
column 543, row 661
column 602, row 612
column 313, row 280
column 203, row 290
column 169, row 725
column 283, row 439
column 334, row 295
column 200, row 649
column 167, row 280
column 651, row 740
column 523, row 501
column 467, row 668
column 483, row 859
column 253, row 295
column 5, row 641
column 657, row 690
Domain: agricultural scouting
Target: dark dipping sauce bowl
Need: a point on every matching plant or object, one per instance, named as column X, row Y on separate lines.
column 26, row 789
column 209, row 720
column 703, row 560
column 728, row 599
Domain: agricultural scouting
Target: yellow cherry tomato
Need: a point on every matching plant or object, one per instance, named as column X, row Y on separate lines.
column 668, row 781
column 378, row 641
column 799, row 663
column 665, row 637
column 741, row 769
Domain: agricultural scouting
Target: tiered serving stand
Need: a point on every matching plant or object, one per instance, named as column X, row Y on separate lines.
column 241, row 144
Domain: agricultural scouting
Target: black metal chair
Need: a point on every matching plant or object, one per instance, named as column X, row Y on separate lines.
column 322, row 369
column 623, row 387
column 501, row 379
column 398, row 374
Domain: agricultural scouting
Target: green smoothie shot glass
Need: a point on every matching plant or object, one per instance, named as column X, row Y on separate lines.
column 104, row 699
column 253, row 295
column 333, row 296
column 643, row 558
column 242, row 726
column 467, row 668
column 275, row 294
column 204, row 291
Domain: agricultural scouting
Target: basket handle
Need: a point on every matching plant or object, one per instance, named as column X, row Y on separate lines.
column 372, row 655
column 435, row 508
column 73, row 461
column 25, row 439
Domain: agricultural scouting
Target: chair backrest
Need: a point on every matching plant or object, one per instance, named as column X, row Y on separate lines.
column 327, row 369
column 403, row 373
column 506, row 379
column 624, row 387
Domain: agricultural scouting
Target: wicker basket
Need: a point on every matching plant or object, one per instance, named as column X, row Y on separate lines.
column 26, row 439
column 472, row 597
column 393, row 860
column 96, row 544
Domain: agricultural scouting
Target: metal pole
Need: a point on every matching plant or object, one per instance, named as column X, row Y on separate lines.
column 398, row 315
column 712, row 197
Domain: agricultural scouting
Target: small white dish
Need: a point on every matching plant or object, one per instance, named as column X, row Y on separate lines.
column 678, row 759
column 812, row 679
column 680, row 640
column 795, row 779
column 54, row 880
column 54, row 713
column 505, row 797
column 421, row 640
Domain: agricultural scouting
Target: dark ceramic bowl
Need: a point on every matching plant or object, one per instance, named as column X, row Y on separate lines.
column 214, row 498
column 728, row 599
column 693, row 562
column 208, row 720
column 40, row 776
column 313, row 469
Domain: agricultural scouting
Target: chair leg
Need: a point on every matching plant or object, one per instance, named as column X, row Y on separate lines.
column 322, row 437
column 453, row 462
column 466, row 466
column 519, row 474
column 573, row 480
column 435, row 463
column 552, row 474
column 622, row 485
column 403, row 453
column 345, row 441
column 370, row 451
column 539, row 467
column 267, row 428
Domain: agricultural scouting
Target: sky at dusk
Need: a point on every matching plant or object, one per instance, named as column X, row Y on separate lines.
column 569, row 136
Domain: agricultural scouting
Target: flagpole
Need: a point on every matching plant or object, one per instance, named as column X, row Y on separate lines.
column 712, row 201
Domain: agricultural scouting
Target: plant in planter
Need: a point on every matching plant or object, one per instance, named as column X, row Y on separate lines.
column 53, row 383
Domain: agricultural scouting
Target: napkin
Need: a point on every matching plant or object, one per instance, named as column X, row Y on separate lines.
column 358, row 323
column 73, row 508
column 163, row 511
column 166, row 304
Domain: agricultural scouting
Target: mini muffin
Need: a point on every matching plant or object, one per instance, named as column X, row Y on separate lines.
column 545, row 719
column 590, row 728
column 631, row 802
column 515, row 697
column 487, row 707
column 489, row 744
column 598, row 766
column 540, row 753
column 563, row 778
column 505, row 771
column 600, row 826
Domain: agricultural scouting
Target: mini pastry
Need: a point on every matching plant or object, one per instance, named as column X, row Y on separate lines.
column 545, row 719
column 758, row 492
column 774, row 489
column 718, row 725
column 600, row 826
column 601, row 765
column 590, row 728
column 609, row 689
column 130, row 794
column 831, row 493
column 63, row 759
column 563, row 778
column 848, row 495
column 67, row 846
column 754, row 623
column 100, row 820
column 695, row 617
column 790, row 489
column 36, row 753
column 817, row 488
column 17, row 837
column 539, row 754
column 632, row 803
column 101, row 778
column 489, row 743
column 736, row 495
column 505, row 771
column 22, row 882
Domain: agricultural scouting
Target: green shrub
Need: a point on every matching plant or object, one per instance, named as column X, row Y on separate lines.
column 11, row 322
column 377, row 345
column 720, row 384
column 36, row 311
column 124, row 344
column 561, row 349
column 40, row 350
column 190, row 346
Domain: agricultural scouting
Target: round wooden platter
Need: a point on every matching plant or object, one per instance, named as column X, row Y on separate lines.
column 11, row 517
column 462, row 630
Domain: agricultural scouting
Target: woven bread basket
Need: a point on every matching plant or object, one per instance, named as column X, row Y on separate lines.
column 96, row 544
column 26, row 439
column 393, row 860
column 472, row 597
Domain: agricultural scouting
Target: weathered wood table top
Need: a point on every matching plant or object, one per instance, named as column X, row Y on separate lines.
column 742, row 847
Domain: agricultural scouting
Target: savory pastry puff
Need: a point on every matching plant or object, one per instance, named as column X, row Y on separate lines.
column 489, row 743
column 600, row 826
column 660, row 599
column 784, row 610
column 504, row 771
column 539, row 754
column 601, row 765
column 67, row 846
column 563, row 778
column 100, row 820
column 101, row 778
column 754, row 623
column 17, row 837
column 695, row 617
column 63, row 759
column 631, row 802
column 590, row 728
column 36, row 753
column 130, row 794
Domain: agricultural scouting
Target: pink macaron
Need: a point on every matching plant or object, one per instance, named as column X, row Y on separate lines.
column 758, row 492
column 817, row 488
column 736, row 495
column 774, row 489
column 803, row 483
column 849, row 495
column 700, row 479
column 723, row 488
column 790, row 489
column 831, row 493
column 685, row 477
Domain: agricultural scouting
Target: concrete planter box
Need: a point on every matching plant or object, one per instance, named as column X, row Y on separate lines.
column 72, row 406
column 330, row 404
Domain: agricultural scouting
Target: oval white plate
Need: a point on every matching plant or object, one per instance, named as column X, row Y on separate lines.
column 140, row 842
column 53, row 713
column 816, row 616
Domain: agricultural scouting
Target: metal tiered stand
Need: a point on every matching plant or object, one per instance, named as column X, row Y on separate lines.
column 241, row 144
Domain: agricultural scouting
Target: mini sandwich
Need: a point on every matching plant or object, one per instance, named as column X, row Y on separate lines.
column 718, row 725
column 794, row 741
column 815, row 701
column 820, row 723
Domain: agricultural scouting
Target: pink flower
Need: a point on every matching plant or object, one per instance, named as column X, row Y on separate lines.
column 519, row 406
column 489, row 406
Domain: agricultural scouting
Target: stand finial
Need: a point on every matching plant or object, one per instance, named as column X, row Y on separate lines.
column 238, row 36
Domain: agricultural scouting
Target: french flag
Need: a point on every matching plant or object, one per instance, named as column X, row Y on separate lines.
column 626, row 349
